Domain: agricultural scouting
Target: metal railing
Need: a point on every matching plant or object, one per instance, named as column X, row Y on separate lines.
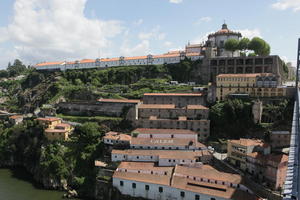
column 292, row 182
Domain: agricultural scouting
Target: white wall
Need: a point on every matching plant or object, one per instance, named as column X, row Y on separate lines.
column 153, row 193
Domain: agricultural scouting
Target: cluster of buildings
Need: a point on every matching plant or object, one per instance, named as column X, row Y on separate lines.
column 54, row 129
column 255, row 157
column 170, row 164
column 215, row 59
column 254, row 85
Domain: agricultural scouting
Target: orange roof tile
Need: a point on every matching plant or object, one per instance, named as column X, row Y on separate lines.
column 52, row 119
column 163, row 131
column 16, row 116
column 147, row 178
column 249, row 142
column 117, row 136
column 211, row 189
column 157, row 106
column 119, row 100
column 63, row 125
column 144, row 166
column 48, row 63
column 208, row 172
column 196, row 107
column 88, row 61
column 135, row 58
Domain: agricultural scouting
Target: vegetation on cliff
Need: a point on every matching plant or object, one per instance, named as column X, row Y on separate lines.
column 233, row 119
column 38, row 88
column 71, row 161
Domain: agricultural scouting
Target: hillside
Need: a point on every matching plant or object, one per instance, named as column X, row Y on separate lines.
column 39, row 88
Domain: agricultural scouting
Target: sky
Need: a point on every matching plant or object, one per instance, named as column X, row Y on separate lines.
column 36, row 31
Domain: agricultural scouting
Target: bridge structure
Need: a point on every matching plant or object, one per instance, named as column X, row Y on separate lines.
column 292, row 182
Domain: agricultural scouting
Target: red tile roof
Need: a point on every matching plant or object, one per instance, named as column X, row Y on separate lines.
column 117, row 136
column 163, row 131
column 49, row 63
column 51, row 119
column 15, row 117
column 249, row 142
column 157, row 106
column 119, row 100
column 164, row 154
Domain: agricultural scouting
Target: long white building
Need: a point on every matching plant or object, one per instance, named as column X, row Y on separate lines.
column 179, row 183
column 168, row 58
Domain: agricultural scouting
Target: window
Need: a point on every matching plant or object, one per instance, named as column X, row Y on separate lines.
column 133, row 185
column 147, row 187
column 197, row 197
column 182, row 194
column 160, row 189
column 121, row 183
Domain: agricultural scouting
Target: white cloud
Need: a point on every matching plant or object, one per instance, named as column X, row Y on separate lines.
column 143, row 48
column 176, row 1
column 167, row 43
column 250, row 33
column 287, row 4
column 203, row 19
column 57, row 30
column 138, row 22
column 155, row 34
column 201, row 38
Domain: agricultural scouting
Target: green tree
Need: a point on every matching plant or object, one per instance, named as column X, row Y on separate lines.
column 259, row 46
column 16, row 69
column 231, row 45
column 243, row 44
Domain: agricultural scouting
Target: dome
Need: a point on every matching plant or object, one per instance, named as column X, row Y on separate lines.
column 225, row 31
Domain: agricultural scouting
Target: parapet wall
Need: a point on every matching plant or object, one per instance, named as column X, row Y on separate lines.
column 110, row 109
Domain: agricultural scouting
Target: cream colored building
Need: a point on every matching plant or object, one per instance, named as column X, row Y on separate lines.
column 59, row 132
column 50, row 122
column 237, row 150
column 254, row 85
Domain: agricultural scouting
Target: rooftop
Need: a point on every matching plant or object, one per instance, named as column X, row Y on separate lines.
column 157, row 106
column 164, row 154
column 16, row 116
column 148, row 178
column 166, row 142
column 119, row 100
column 217, row 190
column 117, row 136
column 173, row 94
column 249, row 142
column 50, row 119
column 145, row 166
column 208, row 172
column 163, row 131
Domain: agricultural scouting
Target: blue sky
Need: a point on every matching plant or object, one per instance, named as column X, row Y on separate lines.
column 49, row 30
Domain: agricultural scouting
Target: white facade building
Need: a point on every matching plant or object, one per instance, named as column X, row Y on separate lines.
column 186, row 183
column 162, row 157
column 165, row 133
column 166, row 144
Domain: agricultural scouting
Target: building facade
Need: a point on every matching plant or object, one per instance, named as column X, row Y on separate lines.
column 186, row 183
column 237, row 150
column 280, row 139
column 254, row 85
